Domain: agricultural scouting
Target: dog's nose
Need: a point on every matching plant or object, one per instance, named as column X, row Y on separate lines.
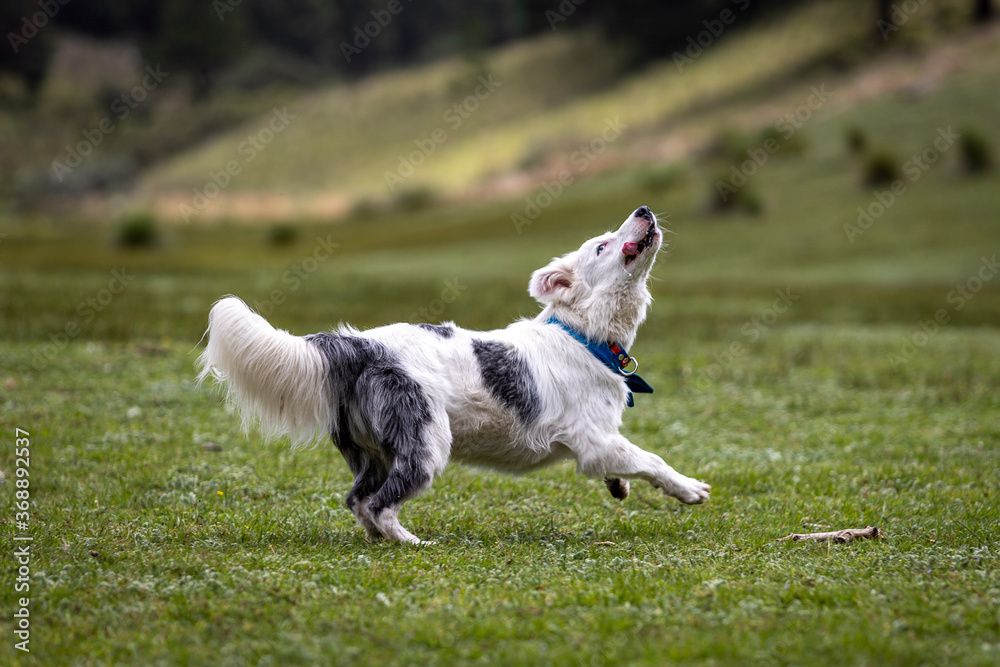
column 643, row 212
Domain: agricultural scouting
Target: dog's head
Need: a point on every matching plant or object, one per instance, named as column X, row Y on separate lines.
column 600, row 289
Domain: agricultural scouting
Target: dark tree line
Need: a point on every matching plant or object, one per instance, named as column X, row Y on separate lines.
column 206, row 37
column 350, row 38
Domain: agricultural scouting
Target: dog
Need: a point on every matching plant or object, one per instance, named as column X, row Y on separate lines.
column 400, row 401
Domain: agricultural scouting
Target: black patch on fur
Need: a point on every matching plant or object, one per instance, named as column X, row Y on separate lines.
column 616, row 487
column 369, row 475
column 378, row 402
column 508, row 377
column 440, row 329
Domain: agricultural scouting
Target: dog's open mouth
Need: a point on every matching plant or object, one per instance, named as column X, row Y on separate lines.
column 632, row 249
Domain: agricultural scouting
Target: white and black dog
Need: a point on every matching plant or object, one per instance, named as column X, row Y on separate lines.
column 399, row 401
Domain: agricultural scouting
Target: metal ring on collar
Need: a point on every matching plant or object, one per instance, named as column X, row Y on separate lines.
column 634, row 370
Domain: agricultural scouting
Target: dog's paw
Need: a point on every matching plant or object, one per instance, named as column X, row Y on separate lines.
column 690, row 491
column 619, row 488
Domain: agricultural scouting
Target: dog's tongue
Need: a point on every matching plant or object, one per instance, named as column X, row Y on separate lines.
column 630, row 249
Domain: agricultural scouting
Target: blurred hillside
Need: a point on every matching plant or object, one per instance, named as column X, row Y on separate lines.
column 196, row 125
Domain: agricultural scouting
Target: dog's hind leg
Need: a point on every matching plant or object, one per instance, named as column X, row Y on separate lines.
column 369, row 476
column 368, row 469
column 419, row 456
column 617, row 457
column 414, row 437
column 407, row 478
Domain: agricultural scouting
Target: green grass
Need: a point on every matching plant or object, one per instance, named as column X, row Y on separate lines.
column 149, row 547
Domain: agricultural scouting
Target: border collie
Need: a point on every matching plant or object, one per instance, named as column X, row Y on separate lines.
column 399, row 401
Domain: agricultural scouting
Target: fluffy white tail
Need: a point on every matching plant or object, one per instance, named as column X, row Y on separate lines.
column 273, row 379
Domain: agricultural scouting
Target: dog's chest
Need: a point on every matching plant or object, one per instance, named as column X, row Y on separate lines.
column 496, row 445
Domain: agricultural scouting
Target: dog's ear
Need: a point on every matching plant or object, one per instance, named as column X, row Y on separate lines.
column 552, row 282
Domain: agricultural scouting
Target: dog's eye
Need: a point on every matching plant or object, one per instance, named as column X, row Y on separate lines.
column 601, row 248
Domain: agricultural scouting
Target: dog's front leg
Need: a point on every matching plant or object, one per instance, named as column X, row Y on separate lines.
column 618, row 487
column 615, row 456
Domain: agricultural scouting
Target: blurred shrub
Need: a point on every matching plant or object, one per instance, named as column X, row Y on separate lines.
column 744, row 198
column 856, row 139
column 950, row 17
column 729, row 144
column 138, row 230
column 263, row 68
column 794, row 144
column 851, row 53
column 365, row 208
column 751, row 201
column 975, row 151
column 282, row 235
column 881, row 168
column 413, row 199
column 532, row 159
column 663, row 178
column 187, row 127
column 735, row 147
column 95, row 174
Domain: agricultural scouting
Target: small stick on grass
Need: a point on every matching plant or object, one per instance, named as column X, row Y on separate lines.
column 838, row 536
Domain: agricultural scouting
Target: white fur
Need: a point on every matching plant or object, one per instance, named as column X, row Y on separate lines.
column 280, row 381
column 275, row 380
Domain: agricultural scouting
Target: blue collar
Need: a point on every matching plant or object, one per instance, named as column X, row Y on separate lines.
column 614, row 357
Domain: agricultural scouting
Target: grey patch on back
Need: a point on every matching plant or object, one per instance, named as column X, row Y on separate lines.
column 508, row 377
column 442, row 330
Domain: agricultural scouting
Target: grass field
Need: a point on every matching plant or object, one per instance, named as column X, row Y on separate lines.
column 799, row 371
column 150, row 548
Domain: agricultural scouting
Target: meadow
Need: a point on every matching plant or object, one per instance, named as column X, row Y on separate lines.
column 163, row 535
column 818, row 378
